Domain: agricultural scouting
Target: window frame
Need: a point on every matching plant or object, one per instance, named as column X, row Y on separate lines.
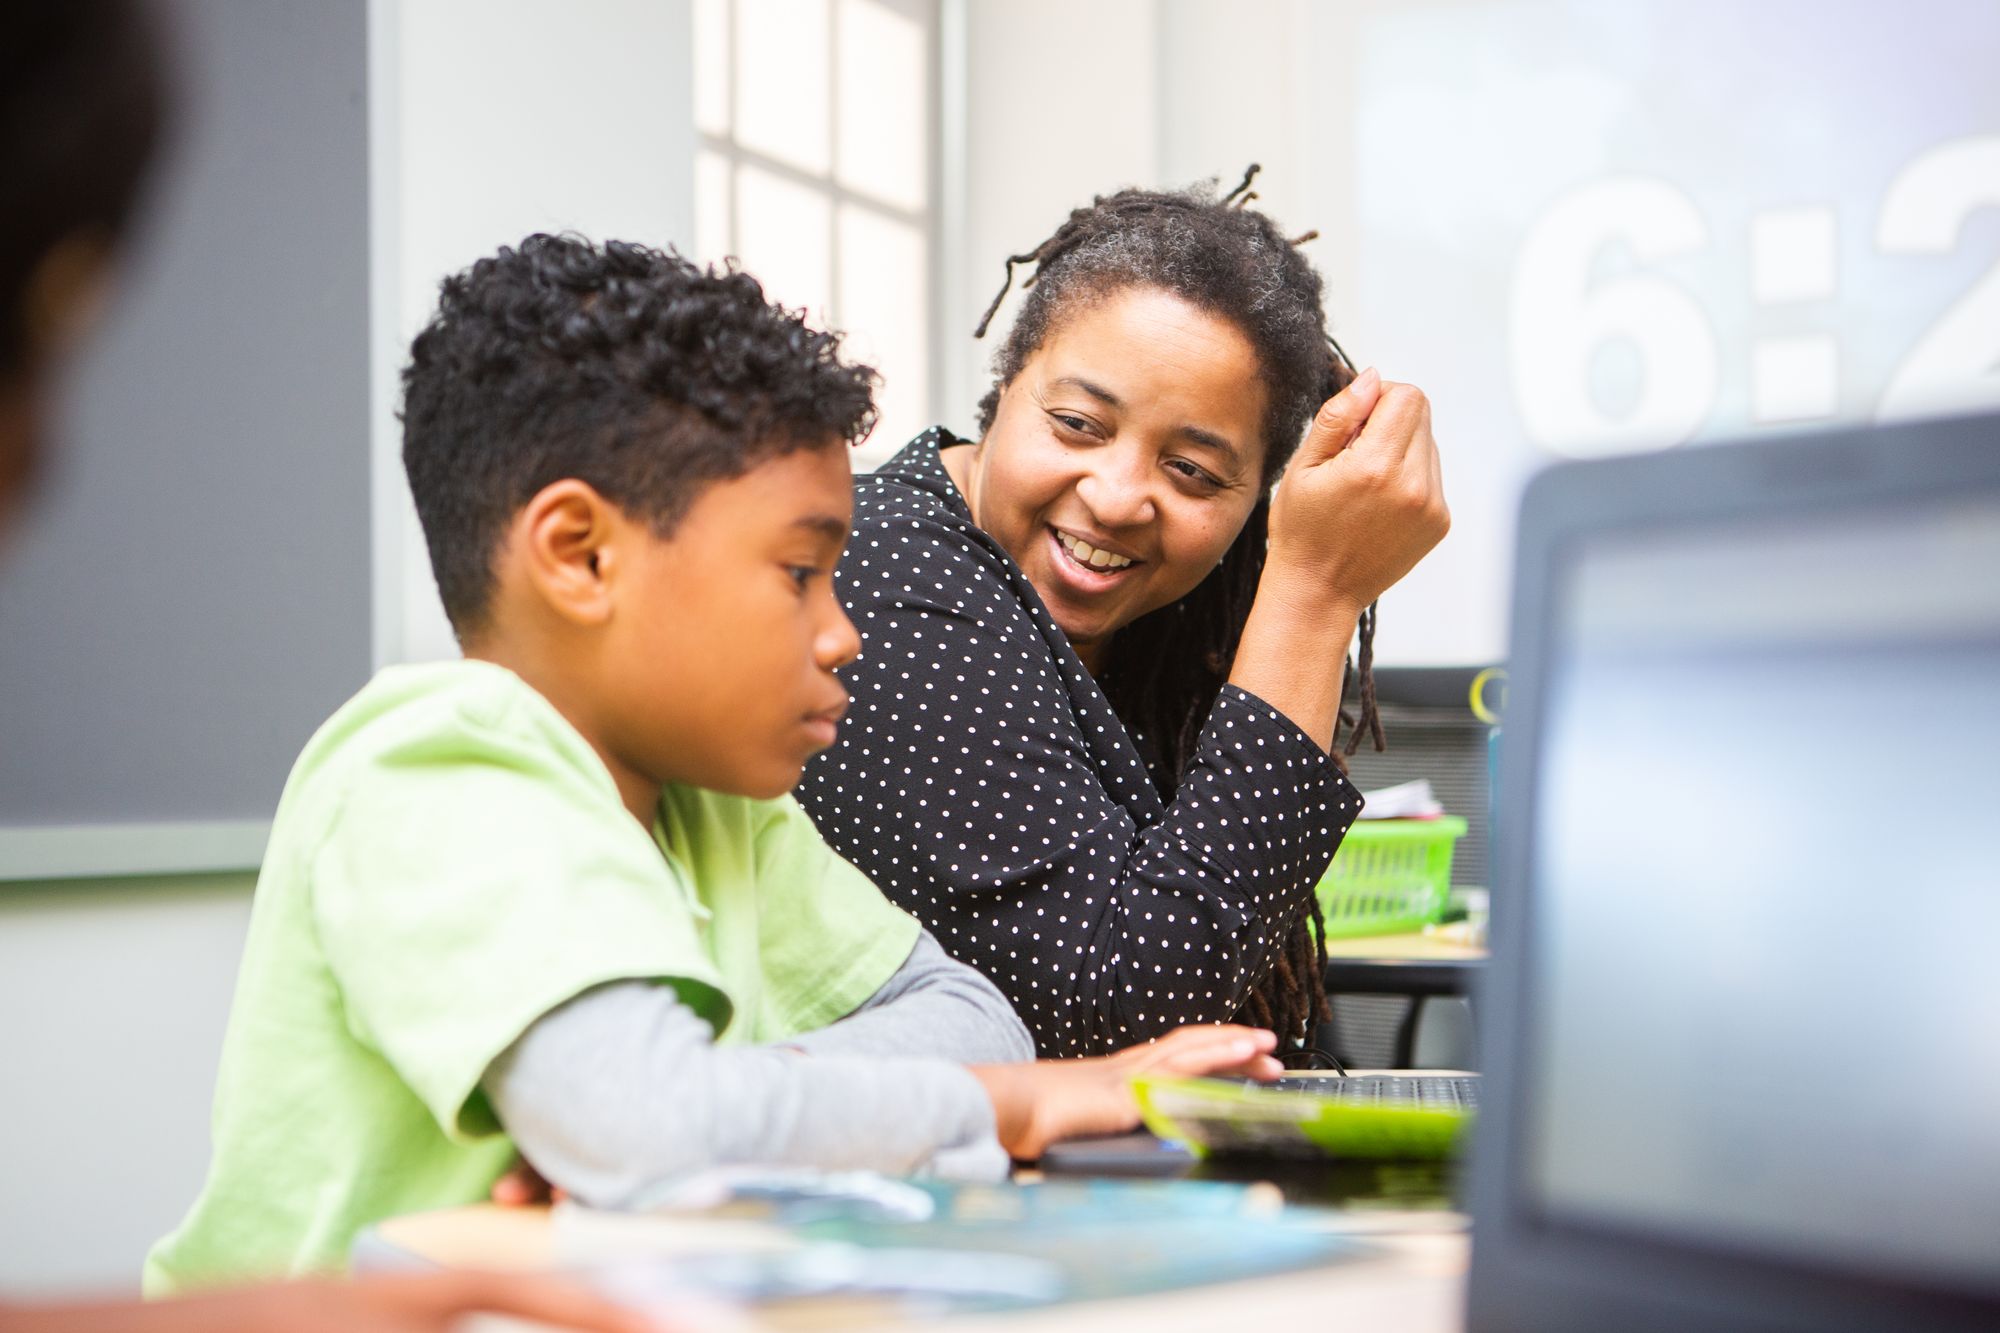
column 942, row 108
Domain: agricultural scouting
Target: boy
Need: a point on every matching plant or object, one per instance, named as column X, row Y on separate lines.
column 554, row 895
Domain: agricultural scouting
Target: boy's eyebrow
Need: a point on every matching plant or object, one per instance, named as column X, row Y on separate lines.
column 824, row 524
column 1207, row 438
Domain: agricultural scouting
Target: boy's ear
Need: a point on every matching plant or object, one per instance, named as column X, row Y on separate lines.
column 565, row 539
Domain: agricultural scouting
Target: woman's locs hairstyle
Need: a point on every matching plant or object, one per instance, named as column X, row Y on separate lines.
column 1067, row 236
column 1163, row 671
column 1222, row 256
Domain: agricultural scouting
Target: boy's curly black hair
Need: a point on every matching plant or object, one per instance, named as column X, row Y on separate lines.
column 1163, row 671
column 632, row 369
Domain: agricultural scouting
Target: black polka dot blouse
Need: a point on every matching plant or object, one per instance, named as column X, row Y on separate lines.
column 984, row 782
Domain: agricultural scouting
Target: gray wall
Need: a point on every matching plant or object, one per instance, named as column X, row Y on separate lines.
column 187, row 599
column 113, row 996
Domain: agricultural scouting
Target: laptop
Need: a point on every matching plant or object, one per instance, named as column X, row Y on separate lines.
column 1741, row 1030
column 1369, row 1114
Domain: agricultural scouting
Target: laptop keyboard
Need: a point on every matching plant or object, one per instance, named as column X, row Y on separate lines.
column 1383, row 1116
column 1437, row 1092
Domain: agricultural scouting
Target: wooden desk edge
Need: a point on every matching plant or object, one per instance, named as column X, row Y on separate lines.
column 1411, row 946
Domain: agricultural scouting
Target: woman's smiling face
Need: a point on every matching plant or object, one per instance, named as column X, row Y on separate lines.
column 1122, row 460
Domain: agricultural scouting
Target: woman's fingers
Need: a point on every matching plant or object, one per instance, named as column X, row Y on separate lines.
column 1356, row 521
column 1399, row 437
column 1420, row 464
column 1383, row 416
column 1402, row 418
column 1341, row 418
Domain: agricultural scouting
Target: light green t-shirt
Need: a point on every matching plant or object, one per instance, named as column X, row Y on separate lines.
column 450, row 861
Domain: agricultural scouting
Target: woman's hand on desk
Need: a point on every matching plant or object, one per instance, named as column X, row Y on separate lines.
column 423, row 1303
column 1036, row 1104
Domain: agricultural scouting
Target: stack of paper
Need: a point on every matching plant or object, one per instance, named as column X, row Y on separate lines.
column 1405, row 800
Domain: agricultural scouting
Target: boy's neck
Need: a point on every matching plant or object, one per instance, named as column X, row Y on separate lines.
column 639, row 793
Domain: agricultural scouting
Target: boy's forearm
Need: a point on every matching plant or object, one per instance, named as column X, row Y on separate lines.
column 622, row 1090
column 1011, row 1090
column 933, row 1006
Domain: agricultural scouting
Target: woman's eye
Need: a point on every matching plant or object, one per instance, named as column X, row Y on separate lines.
column 1071, row 423
column 1193, row 473
column 802, row 575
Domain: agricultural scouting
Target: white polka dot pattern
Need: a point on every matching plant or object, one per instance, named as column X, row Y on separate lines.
column 984, row 782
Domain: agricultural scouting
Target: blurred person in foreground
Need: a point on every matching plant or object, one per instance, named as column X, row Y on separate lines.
column 81, row 103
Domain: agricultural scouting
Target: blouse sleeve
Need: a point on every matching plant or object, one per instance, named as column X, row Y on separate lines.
column 968, row 784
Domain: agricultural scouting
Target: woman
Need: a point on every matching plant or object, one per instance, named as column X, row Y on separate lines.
column 1092, row 722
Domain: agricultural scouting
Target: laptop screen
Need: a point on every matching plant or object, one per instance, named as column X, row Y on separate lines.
column 1765, row 949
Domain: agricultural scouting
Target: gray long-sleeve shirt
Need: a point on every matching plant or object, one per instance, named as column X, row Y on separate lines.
column 622, row 1089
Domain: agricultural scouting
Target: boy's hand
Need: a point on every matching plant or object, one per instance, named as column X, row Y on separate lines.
column 524, row 1187
column 1034, row 1105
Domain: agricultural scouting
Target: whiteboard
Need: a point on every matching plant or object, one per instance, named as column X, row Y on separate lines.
column 1589, row 229
column 188, row 596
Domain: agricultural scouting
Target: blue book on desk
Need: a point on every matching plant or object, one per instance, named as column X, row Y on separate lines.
column 1005, row 1246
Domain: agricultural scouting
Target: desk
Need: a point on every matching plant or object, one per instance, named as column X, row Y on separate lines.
column 1417, row 965
column 1415, row 1283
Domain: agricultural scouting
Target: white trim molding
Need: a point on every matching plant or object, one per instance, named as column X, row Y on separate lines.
column 95, row 851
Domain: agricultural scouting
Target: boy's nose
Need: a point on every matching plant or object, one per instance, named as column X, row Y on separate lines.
column 838, row 642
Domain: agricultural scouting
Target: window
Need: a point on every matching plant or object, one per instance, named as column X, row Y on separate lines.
column 816, row 168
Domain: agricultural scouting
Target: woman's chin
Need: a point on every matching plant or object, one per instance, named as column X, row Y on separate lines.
column 1087, row 632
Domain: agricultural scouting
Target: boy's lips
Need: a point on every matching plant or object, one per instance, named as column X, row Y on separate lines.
column 824, row 725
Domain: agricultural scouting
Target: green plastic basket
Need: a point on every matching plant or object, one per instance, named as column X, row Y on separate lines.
column 1389, row 875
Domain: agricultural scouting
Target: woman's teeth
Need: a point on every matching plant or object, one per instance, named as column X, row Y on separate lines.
column 1085, row 554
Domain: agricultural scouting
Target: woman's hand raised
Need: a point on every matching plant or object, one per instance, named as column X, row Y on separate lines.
column 1362, row 501
column 1358, row 506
